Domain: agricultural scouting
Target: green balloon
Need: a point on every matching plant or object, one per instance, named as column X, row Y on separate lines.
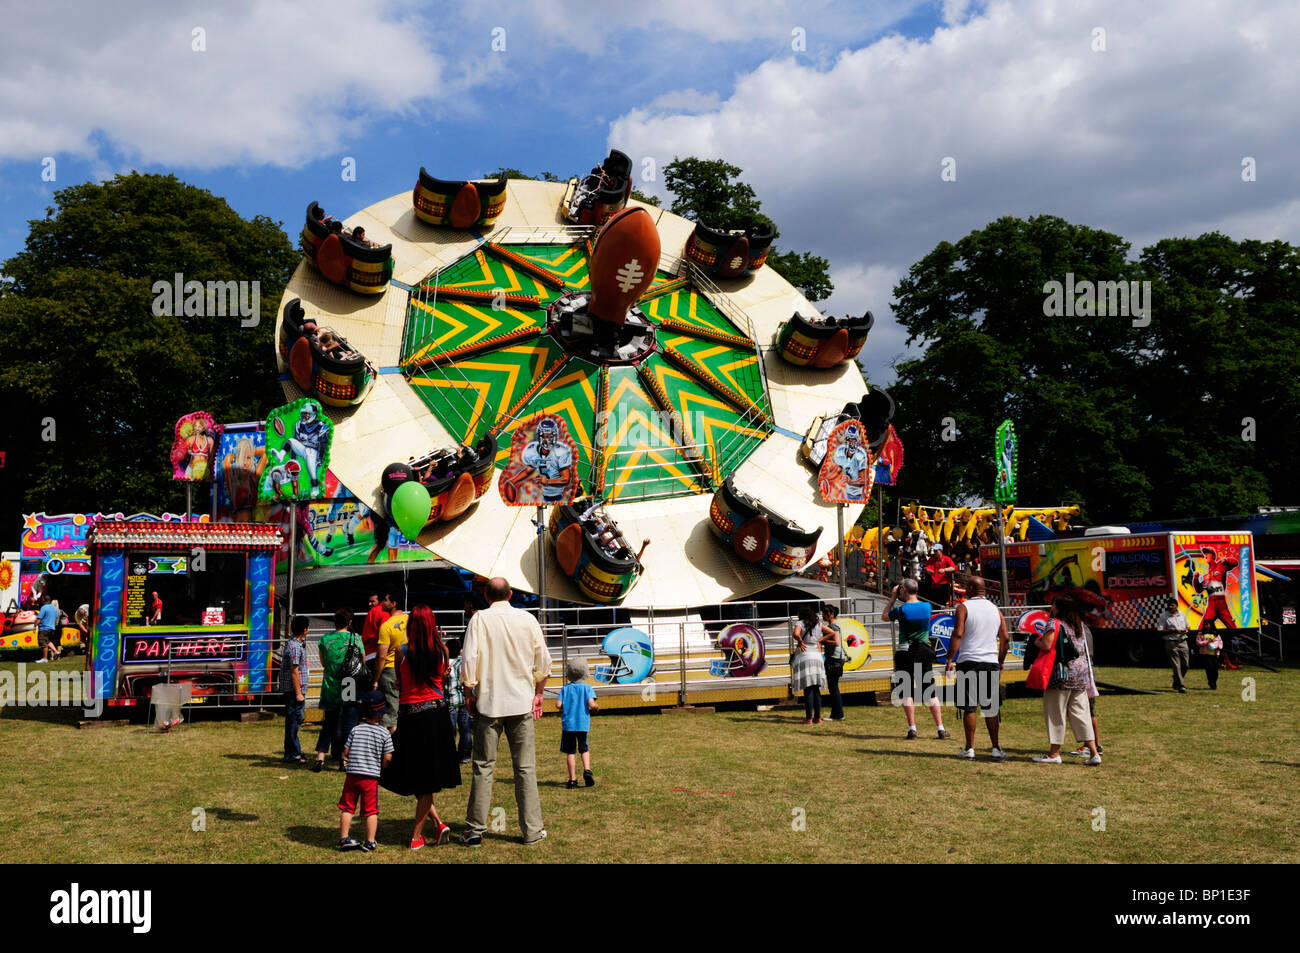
column 409, row 508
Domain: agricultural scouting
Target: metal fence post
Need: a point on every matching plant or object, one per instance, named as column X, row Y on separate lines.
column 681, row 661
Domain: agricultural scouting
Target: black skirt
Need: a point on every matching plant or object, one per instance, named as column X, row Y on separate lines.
column 424, row 754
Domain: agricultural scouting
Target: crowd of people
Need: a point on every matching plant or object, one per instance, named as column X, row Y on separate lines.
column 981, row 640
column 404, row 709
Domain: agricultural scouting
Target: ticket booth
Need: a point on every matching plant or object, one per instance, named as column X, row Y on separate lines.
column 183, row 602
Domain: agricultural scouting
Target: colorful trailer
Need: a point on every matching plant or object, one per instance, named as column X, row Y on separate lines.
column 1123, row 581
column 183, row 602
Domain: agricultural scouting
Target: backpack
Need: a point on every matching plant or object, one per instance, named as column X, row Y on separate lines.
column 354, row 667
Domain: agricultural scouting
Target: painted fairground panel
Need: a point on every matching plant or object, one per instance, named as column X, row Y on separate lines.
column 193, row 447
column 1118, row 582
column 297, row 450
column 55, row 560
column 338, row 530
column 847, row 471
column 343, row 531
column 543, row 466
column 1216, row 580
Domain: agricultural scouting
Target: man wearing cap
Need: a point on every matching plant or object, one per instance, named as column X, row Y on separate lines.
column 938, row 571
column 1173, row 627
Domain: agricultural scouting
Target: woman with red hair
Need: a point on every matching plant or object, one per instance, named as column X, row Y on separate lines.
column 424, row 760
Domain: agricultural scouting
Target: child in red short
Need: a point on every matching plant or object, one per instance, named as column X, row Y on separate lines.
column 368, row 750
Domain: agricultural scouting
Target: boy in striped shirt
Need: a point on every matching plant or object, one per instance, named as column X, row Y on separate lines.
column 368, row 750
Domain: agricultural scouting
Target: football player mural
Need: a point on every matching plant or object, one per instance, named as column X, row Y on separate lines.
column 1213, row 580
column 631, row 657
column 743, row 652
column 193, row 448
column 297, row 452
column 543, row 464
column 847, row 472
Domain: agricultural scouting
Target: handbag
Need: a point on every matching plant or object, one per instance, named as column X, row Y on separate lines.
column 1040, row 672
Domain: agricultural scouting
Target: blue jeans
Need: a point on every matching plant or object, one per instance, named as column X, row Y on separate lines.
column 463, row 721
column 293, row 714
column 336, row 727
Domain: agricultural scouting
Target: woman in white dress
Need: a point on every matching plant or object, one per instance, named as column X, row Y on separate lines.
column 807, row 665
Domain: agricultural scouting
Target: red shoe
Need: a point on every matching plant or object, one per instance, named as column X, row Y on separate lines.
column 417, row 843
column 444, row 834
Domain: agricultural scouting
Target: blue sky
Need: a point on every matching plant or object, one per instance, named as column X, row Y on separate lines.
column 840, row 113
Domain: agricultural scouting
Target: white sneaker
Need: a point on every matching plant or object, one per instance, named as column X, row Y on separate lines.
column 997, row 754
column 1094, row 760
column 1047, row 759
column 967, row 754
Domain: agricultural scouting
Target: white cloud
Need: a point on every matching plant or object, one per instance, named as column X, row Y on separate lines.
column 279, row 83
column 1145, row 139
column 578, row 24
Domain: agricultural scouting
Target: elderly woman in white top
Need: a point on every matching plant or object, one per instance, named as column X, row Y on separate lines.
column 807, row 665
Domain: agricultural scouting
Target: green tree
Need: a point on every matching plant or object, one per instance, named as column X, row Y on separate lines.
column 1130, row 421
column 517, row 174
column 647, row 199
column 93, row 379
column 704, row 191
column 709, row 191
column 808, row 272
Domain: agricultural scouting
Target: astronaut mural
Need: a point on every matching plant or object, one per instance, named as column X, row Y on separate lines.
column 297, row 452
column 543, row 464
column 847, row 473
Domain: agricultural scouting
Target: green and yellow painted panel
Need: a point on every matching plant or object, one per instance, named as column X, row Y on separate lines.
column 706, row 418
column 468, row 396
column 641, row 455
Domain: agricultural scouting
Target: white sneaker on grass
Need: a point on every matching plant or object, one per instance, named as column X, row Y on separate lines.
column 1094, row 760
column 997, row 754
column 967, row 754
column 1047, row 759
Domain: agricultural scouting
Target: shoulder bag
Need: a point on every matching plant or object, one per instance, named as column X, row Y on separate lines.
column 1040, row 672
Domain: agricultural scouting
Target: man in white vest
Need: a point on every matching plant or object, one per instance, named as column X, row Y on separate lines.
column 980, row 635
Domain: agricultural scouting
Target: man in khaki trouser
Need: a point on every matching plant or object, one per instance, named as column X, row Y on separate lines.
column 1173, row 627
column 504, row 667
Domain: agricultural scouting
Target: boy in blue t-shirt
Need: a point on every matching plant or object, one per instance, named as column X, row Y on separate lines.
column 576, row 703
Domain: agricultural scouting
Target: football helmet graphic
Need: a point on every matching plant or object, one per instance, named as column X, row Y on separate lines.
column 853, row 437
column 546, row 434
column 743, row 652
column 631, row 657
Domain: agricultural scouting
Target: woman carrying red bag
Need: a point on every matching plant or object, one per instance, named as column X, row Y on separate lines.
column 1071, row 681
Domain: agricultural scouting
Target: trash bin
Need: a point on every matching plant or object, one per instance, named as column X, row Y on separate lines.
column 167, row 701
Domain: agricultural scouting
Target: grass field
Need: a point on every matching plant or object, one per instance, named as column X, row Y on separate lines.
column 1206, row 777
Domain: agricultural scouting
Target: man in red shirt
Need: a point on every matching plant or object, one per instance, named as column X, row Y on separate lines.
column 376, row 616
column 938, row 570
